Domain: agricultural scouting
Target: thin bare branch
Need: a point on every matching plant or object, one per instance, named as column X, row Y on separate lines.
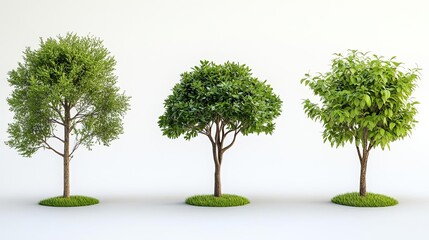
column 211, row 138
column 217, row 134
column 229, row 131
column 78, row 114
column 208, row 130
column 76, row 146
column 58, row 111
column 215, row 154
column 47, row 146
column 58, row 138
column 57, row 122
column 225, row 134
column 75, row 123
column 233, row 141
column 360, row 155
column 370, row 146
column 81, row 119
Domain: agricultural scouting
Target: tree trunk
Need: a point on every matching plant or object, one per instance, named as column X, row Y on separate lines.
column 66, row 153
column 218, row 149
column 217, row 188
column 363, row 166
column 362, row 188
column 218, row 164
column 66, row 193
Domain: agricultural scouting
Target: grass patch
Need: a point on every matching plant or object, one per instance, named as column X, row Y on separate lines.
column 370, row 200
column 225, row 200
column 73, row 201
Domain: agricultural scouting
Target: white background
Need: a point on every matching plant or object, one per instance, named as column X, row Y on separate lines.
column 143, row 178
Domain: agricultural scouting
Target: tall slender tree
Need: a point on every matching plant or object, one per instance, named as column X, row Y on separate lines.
column 220, row 102
column 65, row 96
column 366, row 100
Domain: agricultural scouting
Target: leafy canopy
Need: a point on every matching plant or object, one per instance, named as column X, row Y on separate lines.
column 68, row 81
column 363, row 98
column 227, row 93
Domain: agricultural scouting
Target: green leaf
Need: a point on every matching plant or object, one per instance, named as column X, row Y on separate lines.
column 385, row 95
column 367, row 100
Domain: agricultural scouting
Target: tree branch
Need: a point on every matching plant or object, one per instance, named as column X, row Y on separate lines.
column 211, row 138
column 74, row 123
column 215, row 154
column 81, row 118
column 370, row 146
column 77, row 114
column 223, row 135
column 217, row 134
column 233, row 141
column 51, row 148
column 209, row 135
column 58, row 112
column 208, row 130
column 76, row 146
column 83, row 108
column 236, row 130
column 228, row 132
column 57, row 122
column 360, row 155
column 56, row 137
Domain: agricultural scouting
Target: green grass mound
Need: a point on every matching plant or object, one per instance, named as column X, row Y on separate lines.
column 73, row 201
column 225, row 200
column 370, row 200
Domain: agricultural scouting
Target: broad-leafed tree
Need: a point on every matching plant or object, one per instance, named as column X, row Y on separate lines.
column 365, row 100
column 220, row 102
column 65, row 96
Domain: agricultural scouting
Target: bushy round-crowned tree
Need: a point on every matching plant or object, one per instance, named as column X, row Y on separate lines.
column 219, row 101
column 65, row 88
column 364, row 99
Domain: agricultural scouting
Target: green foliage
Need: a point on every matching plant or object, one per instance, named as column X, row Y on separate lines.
column 72, row 201
column 68, row 75
column 363, row 98
column 227, row 93
column 226, row 200
column 370, row 200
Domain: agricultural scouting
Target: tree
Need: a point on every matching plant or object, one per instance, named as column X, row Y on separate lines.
column 219, row 101
column 67, row 83
column 363, row 99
